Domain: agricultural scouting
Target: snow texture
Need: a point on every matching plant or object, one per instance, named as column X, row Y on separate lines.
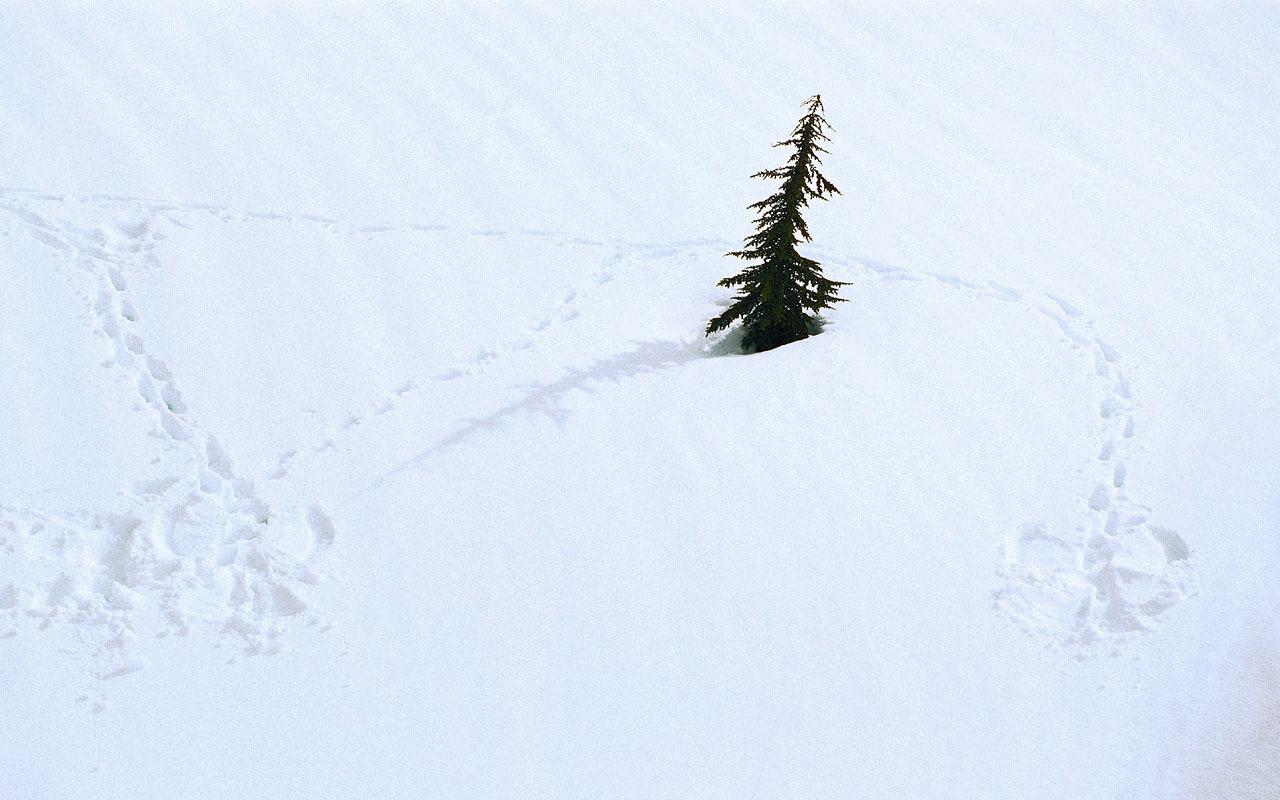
column 360, row 438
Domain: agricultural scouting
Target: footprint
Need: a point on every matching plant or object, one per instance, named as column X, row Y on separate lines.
column 1100, row 499
column 321, row 527
column 450, row 374
column 282, row 464
column 1121, row 386
column 127, row 668
column 1034, row 546
column 1108, row 352
column 1068, row 329
column 50, row 240
column 954, row 282
column 135, row 230
column 1067, row 308
column 1175, row 549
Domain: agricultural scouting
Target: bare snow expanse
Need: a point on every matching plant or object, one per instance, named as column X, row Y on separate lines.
column 361, row 439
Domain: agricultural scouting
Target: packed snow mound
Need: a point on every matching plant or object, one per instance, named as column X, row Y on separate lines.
column 197, row 541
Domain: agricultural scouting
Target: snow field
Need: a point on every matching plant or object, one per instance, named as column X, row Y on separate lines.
column 198, row 539
column 544, row 540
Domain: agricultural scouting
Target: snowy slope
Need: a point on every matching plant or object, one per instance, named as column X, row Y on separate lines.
column 361, row 439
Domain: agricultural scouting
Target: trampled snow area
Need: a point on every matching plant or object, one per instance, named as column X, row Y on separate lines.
column 360, row 438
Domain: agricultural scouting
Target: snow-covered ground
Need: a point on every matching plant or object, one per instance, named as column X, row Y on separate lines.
column 360, row 438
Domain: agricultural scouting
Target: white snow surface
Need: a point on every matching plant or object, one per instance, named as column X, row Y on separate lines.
column 360, row 439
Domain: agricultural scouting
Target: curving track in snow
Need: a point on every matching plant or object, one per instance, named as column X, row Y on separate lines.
column 200, row 546
column 1094, row 587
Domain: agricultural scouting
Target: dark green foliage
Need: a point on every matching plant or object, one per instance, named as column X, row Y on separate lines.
column 781, row 292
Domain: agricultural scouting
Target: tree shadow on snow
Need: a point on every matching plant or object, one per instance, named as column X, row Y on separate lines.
column 547, row 399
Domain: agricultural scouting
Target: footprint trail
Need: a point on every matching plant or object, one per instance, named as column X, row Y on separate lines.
column 200, row 545
column 192, row 547
column 1092, row 589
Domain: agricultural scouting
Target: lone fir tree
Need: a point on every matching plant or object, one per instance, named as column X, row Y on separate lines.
column 781, row 292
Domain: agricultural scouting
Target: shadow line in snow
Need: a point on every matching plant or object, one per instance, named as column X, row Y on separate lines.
column 546, row 399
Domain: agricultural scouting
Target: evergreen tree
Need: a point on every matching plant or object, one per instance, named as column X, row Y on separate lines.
column 781, row 292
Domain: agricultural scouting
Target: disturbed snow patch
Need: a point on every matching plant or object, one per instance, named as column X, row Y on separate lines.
column 1115, row 574
column 1094, row 588
column 195, row 545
